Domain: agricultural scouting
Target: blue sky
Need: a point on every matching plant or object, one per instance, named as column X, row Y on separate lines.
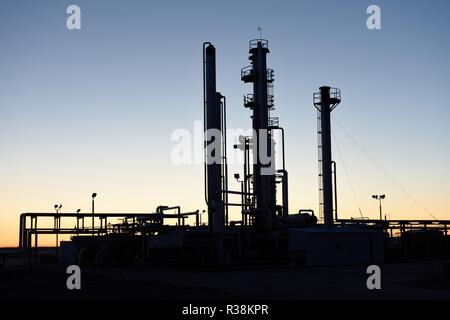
column 93, row 109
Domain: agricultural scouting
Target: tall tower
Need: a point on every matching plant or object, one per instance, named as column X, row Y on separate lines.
column 213, row 143
column 261, row 102
column 325, row 101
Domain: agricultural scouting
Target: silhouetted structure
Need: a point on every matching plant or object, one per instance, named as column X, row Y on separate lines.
column 214, row 129
column 261, row 102
column 325, row 101
column 267, row 232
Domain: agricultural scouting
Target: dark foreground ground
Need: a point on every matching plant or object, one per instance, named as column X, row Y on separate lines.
column 425, row 280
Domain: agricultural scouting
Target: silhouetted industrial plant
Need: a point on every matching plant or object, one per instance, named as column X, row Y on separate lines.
column 268, row 232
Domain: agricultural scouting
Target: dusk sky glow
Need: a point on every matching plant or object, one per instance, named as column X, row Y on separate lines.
column 93, row 110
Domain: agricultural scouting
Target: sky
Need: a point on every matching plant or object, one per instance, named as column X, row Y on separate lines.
column 93, row 110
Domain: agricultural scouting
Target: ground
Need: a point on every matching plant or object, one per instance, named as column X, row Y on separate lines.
column 425, row 280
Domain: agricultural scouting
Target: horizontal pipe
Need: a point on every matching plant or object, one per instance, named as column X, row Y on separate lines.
column 434, row 222
column 237, row 192
column 98, row 215
column 235, row 204
column 306, row 211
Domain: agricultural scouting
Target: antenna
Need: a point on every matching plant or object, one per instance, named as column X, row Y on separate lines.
column 260, row 32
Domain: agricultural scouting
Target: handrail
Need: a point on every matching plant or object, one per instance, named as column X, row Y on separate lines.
column 246, row 71
column 254, row 43
column 335, row 93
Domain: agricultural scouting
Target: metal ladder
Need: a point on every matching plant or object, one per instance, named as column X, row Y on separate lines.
column 319, row 147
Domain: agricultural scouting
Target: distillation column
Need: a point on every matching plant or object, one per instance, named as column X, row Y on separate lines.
column 262, row 141
column 326, row 101
column 213, row 141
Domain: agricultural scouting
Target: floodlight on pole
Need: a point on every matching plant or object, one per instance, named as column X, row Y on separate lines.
column 93, row 210
column 379, row 197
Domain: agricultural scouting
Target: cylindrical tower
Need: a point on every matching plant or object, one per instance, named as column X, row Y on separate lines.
column 326, row 101
column 260, row 102
column 213, row 141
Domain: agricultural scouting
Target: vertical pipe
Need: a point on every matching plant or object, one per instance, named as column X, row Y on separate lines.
column 245, row 182
column 335, row 191
column 93, row 210
column 285, row 175
column 282, row 146
column 249, row 181
column 224, row 152
column 197, row 213
column 21, row 231
column 29, row 246
column 285, row 193
column 243, row 195
column 24, row 232
column 36, row 250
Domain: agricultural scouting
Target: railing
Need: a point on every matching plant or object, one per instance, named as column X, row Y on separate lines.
column 247, row 71
column 270, row 101
column 249, row 98
column 335, row 93
column 274, row 122
column 254, row 43
column 85, row 225
column 249, row 101
column 270, row 75
column 401, row 225
column 317, row 99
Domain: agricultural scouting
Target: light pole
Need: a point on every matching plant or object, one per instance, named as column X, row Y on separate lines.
column 93, row 211
column 57, row 226
column 379, row 197
column 78, row 221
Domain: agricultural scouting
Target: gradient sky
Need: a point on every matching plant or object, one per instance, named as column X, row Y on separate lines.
column 93, row 110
